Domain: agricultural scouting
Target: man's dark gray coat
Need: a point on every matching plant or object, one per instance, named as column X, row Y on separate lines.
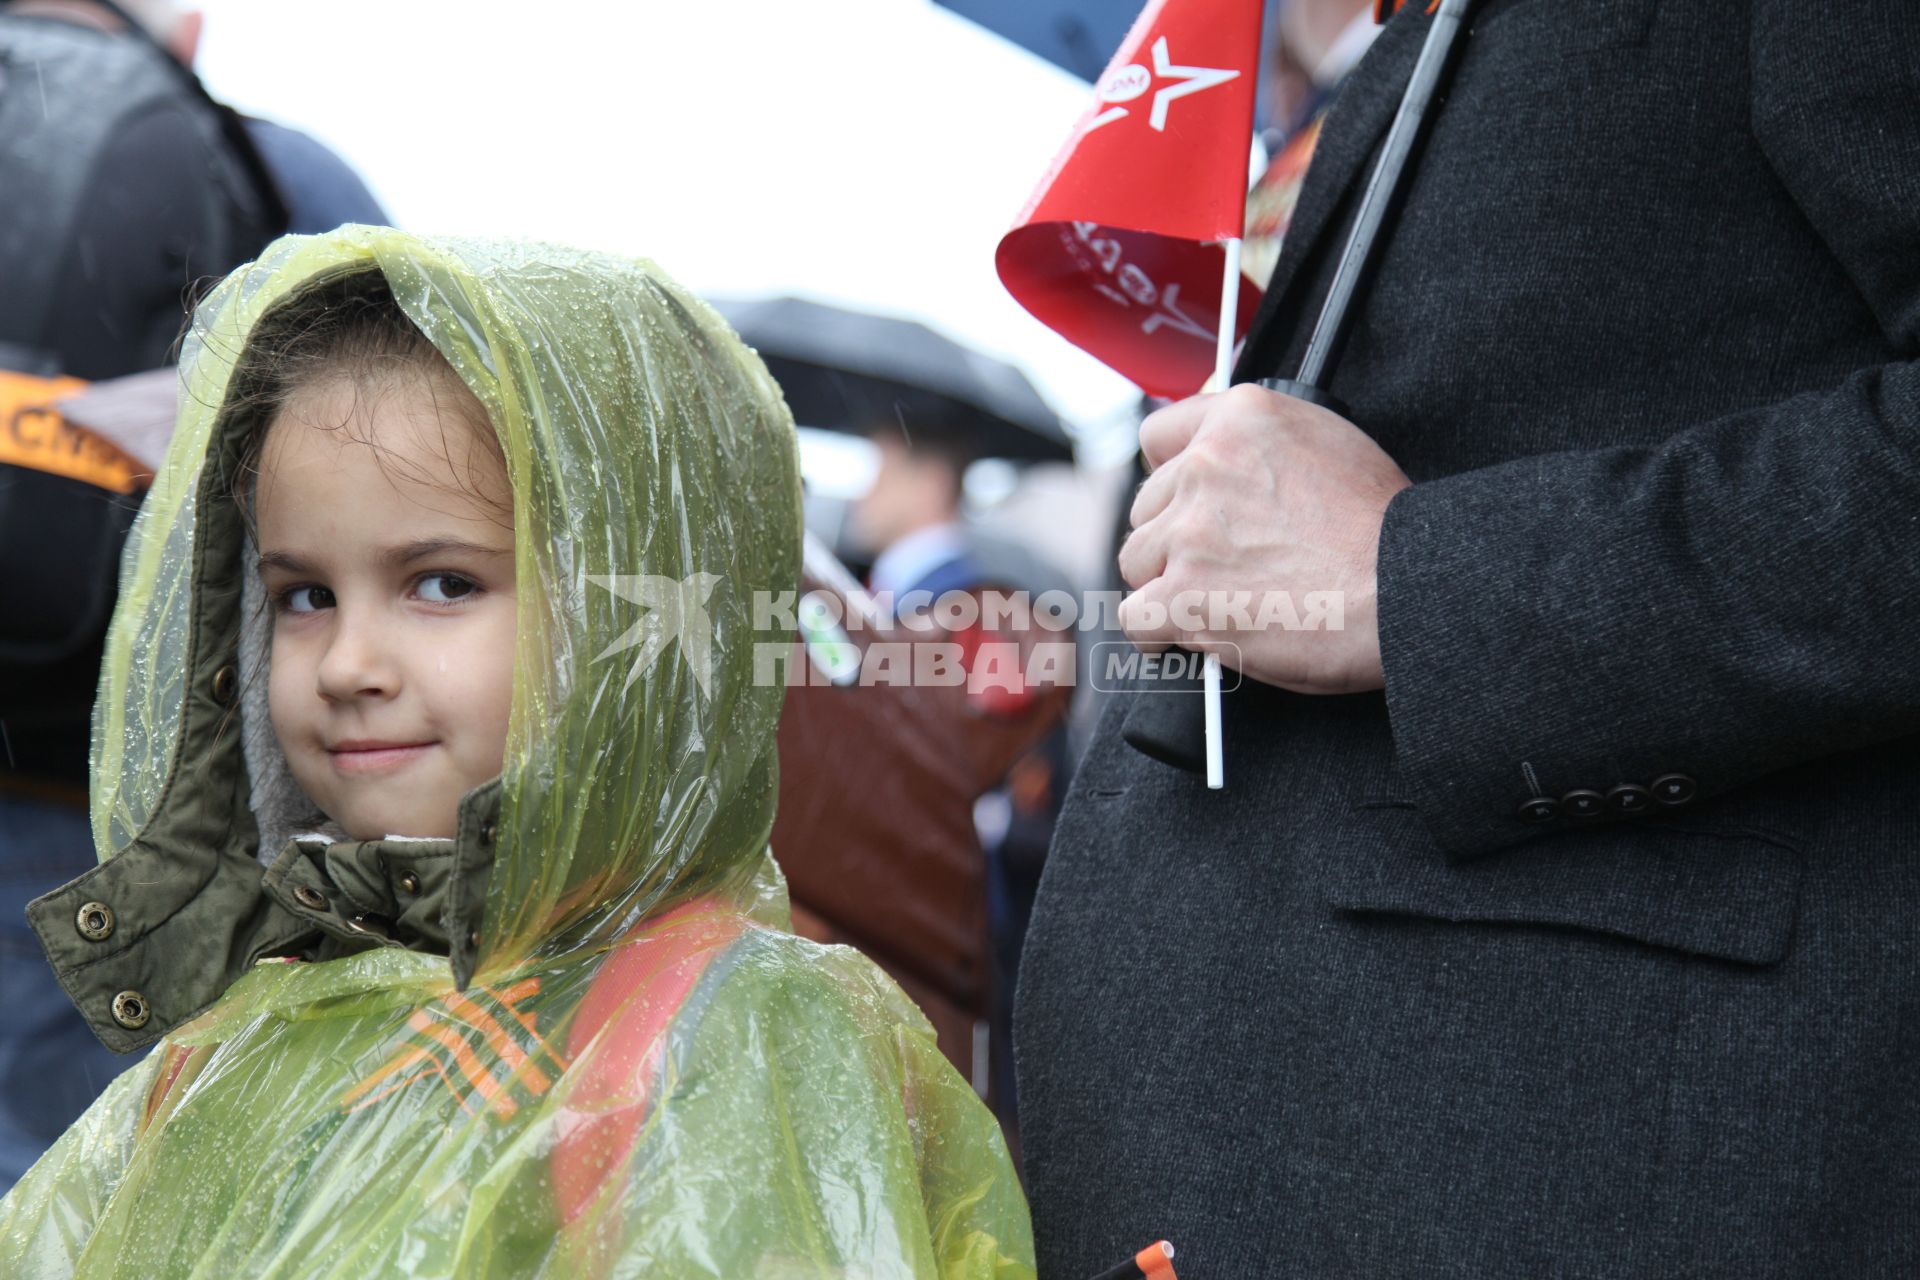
column 1645, row 340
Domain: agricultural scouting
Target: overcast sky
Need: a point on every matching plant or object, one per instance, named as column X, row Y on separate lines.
column 865, row 151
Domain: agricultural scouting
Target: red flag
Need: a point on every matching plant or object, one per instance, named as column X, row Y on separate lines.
column 1116, row 251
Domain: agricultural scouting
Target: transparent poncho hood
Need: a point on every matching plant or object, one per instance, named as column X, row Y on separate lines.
column 655, row 489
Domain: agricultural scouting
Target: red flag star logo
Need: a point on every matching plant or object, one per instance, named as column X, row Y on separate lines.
column 1124, row 84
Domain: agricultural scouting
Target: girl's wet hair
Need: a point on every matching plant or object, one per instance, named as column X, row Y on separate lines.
column 349, row 330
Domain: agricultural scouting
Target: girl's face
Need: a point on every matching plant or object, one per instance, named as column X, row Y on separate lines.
column 392, row 584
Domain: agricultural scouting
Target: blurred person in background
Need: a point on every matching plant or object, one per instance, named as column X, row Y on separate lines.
column 320, row 189
column 128, row 186
column 141, row 183
column 912, row 522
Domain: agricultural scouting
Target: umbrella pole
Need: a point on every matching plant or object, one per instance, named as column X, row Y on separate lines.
column 1222, row 376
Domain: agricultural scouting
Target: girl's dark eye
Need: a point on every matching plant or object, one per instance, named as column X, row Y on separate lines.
column 445, row 588
column 305, row 599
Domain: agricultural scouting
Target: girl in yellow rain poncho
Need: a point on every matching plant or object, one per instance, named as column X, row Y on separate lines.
column 421, row 1012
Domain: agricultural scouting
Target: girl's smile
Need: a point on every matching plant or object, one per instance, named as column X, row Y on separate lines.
column 371, row 757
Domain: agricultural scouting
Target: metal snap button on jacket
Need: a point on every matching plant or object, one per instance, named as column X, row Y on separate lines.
column 486, row 832
column 410, row 882
column 95, row 921
column 1539, row 809
column 1583, row 802
column 307, row 896
column 130, row 1010
column 1629, row 797
column 226, row 682
column 1674, row 788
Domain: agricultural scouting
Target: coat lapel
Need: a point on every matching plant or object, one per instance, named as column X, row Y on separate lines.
column 1355, row 124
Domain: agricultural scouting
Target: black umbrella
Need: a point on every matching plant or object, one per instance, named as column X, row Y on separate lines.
column 850, row 371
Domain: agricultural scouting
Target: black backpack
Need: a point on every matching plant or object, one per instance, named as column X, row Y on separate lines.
column 65, row 92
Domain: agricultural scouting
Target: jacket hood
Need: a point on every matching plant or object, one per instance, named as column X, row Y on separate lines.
column 655, row 486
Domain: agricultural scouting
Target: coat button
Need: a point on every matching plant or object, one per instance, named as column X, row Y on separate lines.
column 1674, row 788
column 1583, row 802
column 410, row 882
column 130, row 1010
column 95, row 921
column 225, row 682
column 307, row 896
column 1540, row 809
column 486, row 832
column 1629, row 797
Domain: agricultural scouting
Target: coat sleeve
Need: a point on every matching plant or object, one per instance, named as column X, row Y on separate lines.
column 1732, row 601
column 48, row 1217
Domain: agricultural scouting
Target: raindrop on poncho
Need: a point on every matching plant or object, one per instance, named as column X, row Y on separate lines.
column 622, row 1064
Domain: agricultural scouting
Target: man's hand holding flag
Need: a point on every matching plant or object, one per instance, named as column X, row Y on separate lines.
column 1132, row 233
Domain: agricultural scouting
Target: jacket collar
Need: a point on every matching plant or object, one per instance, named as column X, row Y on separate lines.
column 150, row 938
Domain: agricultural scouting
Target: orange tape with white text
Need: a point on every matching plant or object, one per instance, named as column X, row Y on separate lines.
column 33, row 434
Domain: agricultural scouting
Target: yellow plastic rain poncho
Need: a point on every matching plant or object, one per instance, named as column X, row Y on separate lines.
column 614, row 1062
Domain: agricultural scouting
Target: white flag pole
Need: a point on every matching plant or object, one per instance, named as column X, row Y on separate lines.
column 1222, row 372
